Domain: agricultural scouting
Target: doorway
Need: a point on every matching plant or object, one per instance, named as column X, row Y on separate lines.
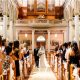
column 40, row 38
column 41, row 41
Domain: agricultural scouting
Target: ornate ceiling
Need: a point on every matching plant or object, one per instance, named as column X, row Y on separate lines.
column 71, row 8
column 53, row 7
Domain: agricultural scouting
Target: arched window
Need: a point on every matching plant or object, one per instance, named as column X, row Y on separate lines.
column 41, row 39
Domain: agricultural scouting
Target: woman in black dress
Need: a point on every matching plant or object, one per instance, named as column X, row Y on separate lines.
column 16, row 54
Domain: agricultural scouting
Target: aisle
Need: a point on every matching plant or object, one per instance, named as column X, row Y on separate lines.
column 42, row 74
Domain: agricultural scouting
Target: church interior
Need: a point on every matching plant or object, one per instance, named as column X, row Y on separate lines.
column 39, row 40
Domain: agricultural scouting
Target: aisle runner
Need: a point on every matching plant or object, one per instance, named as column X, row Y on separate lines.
column 42, row 74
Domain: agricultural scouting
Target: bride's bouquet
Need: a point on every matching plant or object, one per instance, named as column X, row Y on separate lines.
column 41, row 51
column 39, row 54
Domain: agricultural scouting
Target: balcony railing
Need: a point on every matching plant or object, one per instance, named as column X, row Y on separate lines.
column 38, row 22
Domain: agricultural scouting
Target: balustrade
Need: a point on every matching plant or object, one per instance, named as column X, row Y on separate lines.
column 27, row 21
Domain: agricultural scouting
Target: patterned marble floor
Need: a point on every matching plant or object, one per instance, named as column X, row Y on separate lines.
column 42, row 74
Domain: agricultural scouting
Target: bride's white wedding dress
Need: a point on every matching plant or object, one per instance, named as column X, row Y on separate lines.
column 42, row 58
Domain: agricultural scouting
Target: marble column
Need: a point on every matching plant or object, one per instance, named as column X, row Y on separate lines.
column 5, row 18
column 70, row 30
column 67, row 39
column 32, row 40
column 11, row 31
column 76, row 22
column 66, row 34
column 48, row 41
column 17, row 35
column 4, row 29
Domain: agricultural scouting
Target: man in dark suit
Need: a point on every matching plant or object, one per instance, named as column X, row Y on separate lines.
column 36, row 57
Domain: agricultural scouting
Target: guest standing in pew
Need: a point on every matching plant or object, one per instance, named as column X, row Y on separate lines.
column 17, row 58
column 72, row 57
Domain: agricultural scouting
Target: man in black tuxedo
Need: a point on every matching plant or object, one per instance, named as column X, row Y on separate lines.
column 36, row 57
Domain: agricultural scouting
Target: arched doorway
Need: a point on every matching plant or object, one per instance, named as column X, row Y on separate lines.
column 41, row 41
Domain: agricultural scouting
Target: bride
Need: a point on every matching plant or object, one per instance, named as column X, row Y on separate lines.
column 42, row 58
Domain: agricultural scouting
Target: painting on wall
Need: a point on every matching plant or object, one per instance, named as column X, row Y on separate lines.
column 41, row 5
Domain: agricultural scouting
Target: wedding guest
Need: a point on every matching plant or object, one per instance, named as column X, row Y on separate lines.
column 17, row 58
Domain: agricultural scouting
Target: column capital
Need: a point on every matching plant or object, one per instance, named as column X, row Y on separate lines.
column 5, row 7
column 11, row 19
column 76, row 13
column 70, row 19
column 48, row 30
column 4, row 13
column 33, row 30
